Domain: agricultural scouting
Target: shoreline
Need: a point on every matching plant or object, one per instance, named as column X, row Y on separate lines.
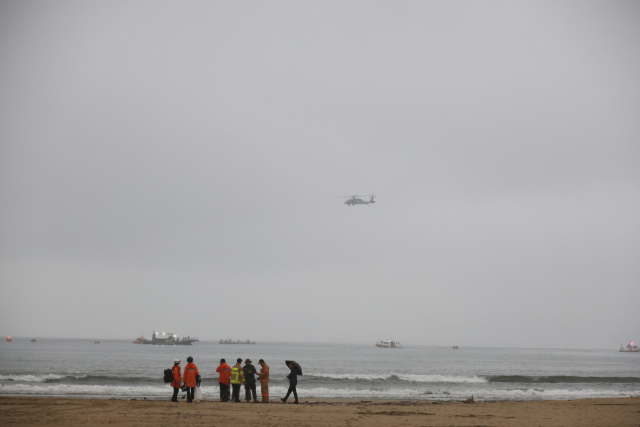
column 305, row 400
column 478, row 397
column 56, row 411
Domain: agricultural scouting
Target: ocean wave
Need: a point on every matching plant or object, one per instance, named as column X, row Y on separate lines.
column 212, row 392
column 31, row 378
column 321, row 379
column 380, row 379
column 85, row 390
column 561, row 379
column 74, row 378
column 352, row 377
column 415, row 378
column 461, row 394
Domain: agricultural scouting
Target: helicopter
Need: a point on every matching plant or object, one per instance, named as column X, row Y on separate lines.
column 354, row 200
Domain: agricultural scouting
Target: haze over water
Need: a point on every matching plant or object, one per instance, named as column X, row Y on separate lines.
column 176, row 166
column 123, row 370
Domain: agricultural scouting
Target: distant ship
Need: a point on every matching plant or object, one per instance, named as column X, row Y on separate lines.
column 455, row 347
column 96, row 342
column 631, row 348
column 9, row 339
column 161, row 338
column 141, row 339
column 236, row 342
column 388, row 343
column 34, row 340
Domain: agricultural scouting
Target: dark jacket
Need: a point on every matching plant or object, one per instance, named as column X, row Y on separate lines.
column 293, row 377
column 249, row 374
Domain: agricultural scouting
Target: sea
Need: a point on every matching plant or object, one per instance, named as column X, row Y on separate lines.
column 123, row 370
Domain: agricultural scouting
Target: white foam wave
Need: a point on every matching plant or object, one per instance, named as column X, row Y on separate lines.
column 458, row 394
column 402, row 377
column 96, row 390
column 442, row 379
column 31, row 378
column 350, row 376
column 212, row 392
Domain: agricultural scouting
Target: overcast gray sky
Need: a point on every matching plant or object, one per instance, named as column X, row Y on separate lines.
column 175, row 166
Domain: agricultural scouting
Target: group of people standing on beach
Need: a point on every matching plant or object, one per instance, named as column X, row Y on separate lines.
column 235, row 376
column 243, row 375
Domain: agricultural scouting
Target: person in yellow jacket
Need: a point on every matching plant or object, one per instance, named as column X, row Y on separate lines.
column 264, row 381
column 236, row 378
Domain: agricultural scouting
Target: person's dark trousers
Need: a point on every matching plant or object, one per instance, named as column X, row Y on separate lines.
column 292, row 388
column 236, row 392
column 190, row 392
column 175, row 394
column 224, row 392
column 248, row 389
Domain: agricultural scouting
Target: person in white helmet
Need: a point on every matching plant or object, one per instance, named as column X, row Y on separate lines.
column 176, row 380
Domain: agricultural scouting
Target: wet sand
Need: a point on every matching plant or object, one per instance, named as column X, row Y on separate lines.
column 38, row 411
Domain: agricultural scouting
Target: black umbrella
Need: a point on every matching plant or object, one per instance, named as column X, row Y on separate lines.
column 295, row 366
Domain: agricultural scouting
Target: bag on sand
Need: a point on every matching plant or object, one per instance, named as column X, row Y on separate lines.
column 168, row 375
column 197, row 395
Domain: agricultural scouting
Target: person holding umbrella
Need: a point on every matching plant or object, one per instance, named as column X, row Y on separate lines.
column 293, row 380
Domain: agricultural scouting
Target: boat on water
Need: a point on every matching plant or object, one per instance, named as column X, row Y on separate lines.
column 141, row 339
column 162, row 338
column 9, row 339
column 96, row 342
column 388, row 343
column 455, row 347
column 34, row 340
column 229, row 341
column 631, row 348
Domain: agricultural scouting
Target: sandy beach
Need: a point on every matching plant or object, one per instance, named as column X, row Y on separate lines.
column 37, row 411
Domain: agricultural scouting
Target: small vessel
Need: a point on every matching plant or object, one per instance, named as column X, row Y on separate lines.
column 9, row 339
column 34, row 340
column 631, row 348
column 161, row 338
column 141, row 339
column 388, row 343
column 455, row 347
column 229, row 341
column 96, row 342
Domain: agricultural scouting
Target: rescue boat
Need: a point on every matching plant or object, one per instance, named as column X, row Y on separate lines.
column 388, row 343
column 161, row 338
column 229, row 341
column 9, row 339
column 141, row 339
column 631, row 348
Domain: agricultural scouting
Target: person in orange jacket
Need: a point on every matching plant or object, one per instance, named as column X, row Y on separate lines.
column 191, row 378
column 264, row 380
column 223, row 382
column 176, row 380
